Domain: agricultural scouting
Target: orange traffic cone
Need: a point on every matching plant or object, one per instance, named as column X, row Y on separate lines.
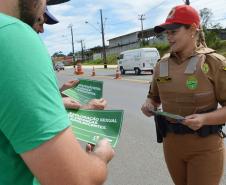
column 93, row 72
column 78, row 69
column 117, row 74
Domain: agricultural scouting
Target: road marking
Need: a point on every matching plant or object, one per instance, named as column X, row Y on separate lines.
column 112, row 78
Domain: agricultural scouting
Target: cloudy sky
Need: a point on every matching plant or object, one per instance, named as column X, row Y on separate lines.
column 120, row 17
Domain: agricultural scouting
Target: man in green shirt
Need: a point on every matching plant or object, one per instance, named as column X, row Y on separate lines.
column 35, row 134
column 69, row 103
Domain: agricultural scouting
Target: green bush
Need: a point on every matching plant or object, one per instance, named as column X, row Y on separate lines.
column 111, row 60
column 212, row 40
column 93, row 62
column 222, row 49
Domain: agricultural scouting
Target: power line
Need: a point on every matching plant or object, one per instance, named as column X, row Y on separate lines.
column 155, row 7
column 119, row 23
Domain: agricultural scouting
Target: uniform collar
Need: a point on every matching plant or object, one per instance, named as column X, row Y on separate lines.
column 199, row 50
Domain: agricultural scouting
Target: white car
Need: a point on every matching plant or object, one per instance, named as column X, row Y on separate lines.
column 138, row 60
column 59, row 66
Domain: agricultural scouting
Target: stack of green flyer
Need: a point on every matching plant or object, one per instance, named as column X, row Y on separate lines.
column 93, row 125
column 85, row 91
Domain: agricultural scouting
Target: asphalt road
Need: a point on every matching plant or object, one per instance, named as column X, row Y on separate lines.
column 139, row 159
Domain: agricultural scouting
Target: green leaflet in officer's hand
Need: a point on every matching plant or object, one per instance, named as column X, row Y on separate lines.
column 175, row 117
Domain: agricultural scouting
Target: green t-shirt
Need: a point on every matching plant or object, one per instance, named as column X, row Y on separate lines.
column 31, row 110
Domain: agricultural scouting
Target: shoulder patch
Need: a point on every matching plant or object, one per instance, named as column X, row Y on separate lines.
column 164, row 58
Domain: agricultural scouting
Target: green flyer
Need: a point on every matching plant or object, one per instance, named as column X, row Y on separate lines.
column 93, row 125
column 175, row 117
column 85, row 91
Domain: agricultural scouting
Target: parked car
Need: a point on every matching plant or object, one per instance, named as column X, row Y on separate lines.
column 59, row 66
column 138, row 60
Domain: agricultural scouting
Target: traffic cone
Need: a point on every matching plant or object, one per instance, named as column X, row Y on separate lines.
column 117, row 74
column 93, row 72
column 78, row 69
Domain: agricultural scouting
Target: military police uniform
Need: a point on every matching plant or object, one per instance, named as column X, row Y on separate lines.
column 196, row 85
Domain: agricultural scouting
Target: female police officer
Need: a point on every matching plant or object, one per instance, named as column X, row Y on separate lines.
column 190, row 81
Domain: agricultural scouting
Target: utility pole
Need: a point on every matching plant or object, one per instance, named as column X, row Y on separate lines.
column 141, row 18
column 82, row 49
column 72, row 42
column 103, row 40
column 187, row 2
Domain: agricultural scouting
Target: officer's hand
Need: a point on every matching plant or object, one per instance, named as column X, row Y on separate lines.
column 104, row 150
column 194, row 121
column 70, row 103
column 148, row 106
column 96, row 104
column 69, row 85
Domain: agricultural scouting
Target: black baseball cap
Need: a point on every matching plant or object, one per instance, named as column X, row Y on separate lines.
column 54, row 2
column 50, row 19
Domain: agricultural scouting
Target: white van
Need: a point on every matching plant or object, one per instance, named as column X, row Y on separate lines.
column 138, row 60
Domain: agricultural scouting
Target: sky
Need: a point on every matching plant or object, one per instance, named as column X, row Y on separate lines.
column 120, row 17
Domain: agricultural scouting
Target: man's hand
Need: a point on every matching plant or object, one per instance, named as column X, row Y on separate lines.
column 61, row 160
column 148, row 106
column 194, row 121
column 69, row 85
column 104, row 150
column 70, row 103
column 95, row 104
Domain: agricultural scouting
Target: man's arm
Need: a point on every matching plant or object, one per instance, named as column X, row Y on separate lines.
column 95, row 104
column 61, row 160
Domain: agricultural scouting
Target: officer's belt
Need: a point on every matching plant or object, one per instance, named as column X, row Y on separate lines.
column 167, row 125
column 182, row 129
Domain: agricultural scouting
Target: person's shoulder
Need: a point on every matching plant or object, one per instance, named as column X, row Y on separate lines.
column 214, row 59
column 9, row 24
column 7, row 20
column 204, row 50
column 217, row 57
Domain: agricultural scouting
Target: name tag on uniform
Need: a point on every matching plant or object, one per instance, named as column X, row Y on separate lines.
column 163, row 79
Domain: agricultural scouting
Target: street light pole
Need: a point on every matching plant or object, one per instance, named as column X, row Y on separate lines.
column 103, row 40
column 72, row 42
